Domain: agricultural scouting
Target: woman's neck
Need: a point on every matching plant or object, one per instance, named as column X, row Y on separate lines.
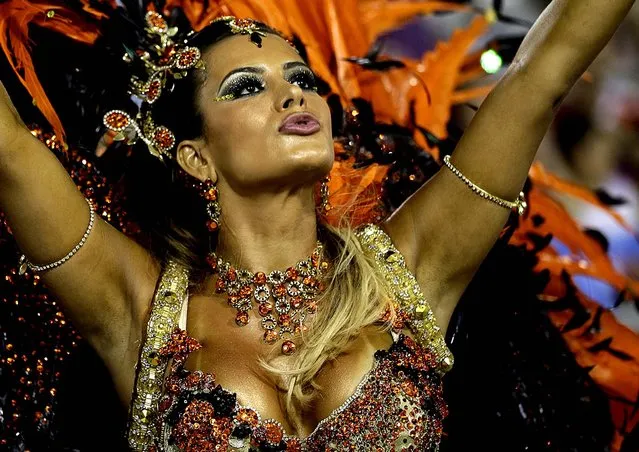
column 267, row 233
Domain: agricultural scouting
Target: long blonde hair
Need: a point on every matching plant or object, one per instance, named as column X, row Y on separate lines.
column 356, row 296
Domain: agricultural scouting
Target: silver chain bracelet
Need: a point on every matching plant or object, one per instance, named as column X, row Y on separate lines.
column 519, row 204
column 24, row 263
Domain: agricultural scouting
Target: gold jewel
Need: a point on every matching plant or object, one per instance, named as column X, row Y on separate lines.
column 285, row 299
column 164, row 59
column 408, row 296
column 324, row 194
column 225, row 97
column 248, row 26
column 209, row 193
column 24, row 263
column 244, row 27
column 151, row 368
column 520, row 203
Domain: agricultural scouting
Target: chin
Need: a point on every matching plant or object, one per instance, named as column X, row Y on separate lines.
column 310, row 159
column 309, row 147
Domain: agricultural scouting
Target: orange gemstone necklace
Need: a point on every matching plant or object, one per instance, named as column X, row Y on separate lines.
column 284, row 299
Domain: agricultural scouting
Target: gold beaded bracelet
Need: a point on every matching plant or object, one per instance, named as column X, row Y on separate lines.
column 519, row 204
column 24, row 262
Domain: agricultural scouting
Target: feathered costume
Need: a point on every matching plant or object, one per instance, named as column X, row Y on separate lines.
column 539, row 366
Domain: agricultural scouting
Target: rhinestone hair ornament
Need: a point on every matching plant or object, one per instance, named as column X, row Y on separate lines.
column 165, row 59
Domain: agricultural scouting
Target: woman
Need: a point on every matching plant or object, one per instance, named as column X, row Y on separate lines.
column 264, row 143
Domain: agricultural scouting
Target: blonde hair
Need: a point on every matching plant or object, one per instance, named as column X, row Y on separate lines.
column 356, row 296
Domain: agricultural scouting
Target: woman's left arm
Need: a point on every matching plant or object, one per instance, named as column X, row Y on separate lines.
column 445, row 230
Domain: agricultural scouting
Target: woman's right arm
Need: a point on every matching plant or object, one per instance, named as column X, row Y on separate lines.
column 106, row 287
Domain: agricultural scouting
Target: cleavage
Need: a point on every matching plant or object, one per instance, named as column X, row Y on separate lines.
column 231, row 353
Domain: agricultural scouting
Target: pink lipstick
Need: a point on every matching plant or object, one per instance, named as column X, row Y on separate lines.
column 300, row 124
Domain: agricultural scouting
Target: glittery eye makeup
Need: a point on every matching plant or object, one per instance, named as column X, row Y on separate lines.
column 250, row 80
column 242, row 85
column 304, row 77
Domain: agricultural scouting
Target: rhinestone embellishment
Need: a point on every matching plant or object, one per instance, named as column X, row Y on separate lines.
column 284, row 299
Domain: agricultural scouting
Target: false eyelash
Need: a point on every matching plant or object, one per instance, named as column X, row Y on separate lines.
column 301, row 71
column 237, row 84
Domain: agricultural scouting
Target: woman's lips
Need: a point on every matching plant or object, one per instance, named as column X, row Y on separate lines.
column 300, row 124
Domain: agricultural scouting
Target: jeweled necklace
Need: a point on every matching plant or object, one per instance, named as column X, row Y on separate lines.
column 284, row 299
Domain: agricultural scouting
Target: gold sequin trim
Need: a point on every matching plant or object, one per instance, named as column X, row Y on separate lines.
column 408, row 295
column 165, row 313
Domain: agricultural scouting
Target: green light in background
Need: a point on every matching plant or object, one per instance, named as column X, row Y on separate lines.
column 491, row 62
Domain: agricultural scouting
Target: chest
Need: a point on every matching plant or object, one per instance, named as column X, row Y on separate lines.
column 397, row 406
column 234, row 355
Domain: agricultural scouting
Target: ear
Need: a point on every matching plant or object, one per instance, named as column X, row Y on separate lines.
column 190, row 156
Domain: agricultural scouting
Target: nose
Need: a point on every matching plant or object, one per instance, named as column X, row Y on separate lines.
column 291, row 96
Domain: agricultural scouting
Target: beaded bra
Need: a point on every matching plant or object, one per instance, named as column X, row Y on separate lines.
column 398, row 404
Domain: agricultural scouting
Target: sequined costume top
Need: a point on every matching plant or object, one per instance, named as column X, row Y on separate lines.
column 397, row 405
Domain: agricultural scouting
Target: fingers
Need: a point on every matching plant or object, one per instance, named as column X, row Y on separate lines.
column 105, row 142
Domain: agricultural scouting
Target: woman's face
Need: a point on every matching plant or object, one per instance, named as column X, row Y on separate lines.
column 245, row 143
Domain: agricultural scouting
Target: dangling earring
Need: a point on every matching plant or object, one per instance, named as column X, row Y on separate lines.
column 209, row 193
column 325, row 206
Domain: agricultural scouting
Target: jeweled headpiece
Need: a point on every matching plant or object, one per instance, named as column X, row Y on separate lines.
column 245, row 27
column 163, row 59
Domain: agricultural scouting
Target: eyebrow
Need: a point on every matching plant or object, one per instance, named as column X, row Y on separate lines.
column 261, row 70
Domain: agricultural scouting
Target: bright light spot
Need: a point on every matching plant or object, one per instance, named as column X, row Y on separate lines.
column 491, row 62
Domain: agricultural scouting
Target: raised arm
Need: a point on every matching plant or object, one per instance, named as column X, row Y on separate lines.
column 106, row 286
column 446, row 230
